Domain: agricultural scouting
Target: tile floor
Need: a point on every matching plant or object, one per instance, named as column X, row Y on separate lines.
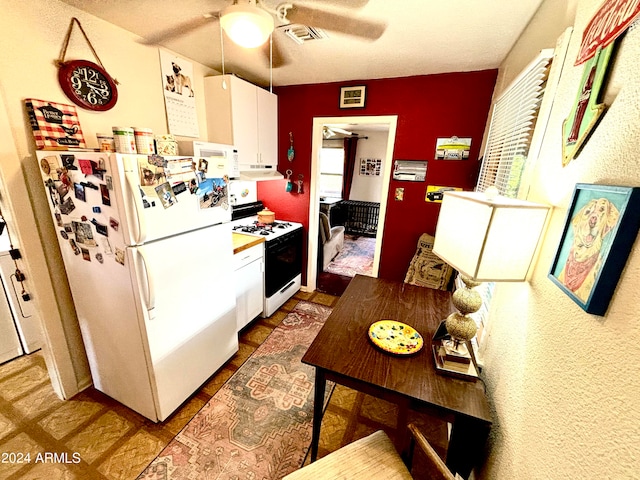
column 93, row 437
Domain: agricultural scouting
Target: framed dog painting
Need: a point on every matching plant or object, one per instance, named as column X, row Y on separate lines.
column 601, row 226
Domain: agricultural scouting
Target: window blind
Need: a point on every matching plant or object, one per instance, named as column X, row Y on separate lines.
column 512, row 124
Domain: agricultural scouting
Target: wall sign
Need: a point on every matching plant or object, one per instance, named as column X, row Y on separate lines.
column 586, row 111
column 453, row 148
column 609, row 22
column 598, row 39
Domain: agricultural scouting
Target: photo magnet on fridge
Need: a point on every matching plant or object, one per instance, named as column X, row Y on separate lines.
column 67, row 206
column 120, row 256
column 166, row 195
column 104, row 193
column 83, row 232
column 78, row 188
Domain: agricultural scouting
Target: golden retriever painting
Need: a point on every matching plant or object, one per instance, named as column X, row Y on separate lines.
column 590, row 227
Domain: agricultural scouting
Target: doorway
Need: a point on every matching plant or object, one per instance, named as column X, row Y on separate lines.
column 363, row 124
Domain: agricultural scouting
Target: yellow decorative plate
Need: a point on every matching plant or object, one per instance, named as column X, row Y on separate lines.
column 395, row 337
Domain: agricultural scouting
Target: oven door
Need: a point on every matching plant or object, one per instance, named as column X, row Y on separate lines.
column 283, row 260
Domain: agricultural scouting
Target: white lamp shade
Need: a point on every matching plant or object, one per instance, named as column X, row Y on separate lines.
column 247, row 25
column 488, row 240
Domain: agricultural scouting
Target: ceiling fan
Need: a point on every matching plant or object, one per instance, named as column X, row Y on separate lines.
column 249, row 23
column 330, row 132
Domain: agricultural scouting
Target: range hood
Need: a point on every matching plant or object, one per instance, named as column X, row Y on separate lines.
column 258, row 173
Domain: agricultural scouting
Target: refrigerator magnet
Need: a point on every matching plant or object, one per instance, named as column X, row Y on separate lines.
column 67, row 162
column 100, row 228
column 83, row 232
column 113, row 223
column 99, row 258
column 67, row 206
column 62, row 189
column 86, row 166
column 64, row 234
column 179, row 188
column 106, row 246
column 120, row 256
column 74, row 246
column 104, row 193
column 166, row 195
column 85, row 254
column 78, row 188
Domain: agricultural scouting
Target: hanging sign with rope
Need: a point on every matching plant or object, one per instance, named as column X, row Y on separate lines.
column 87, row 84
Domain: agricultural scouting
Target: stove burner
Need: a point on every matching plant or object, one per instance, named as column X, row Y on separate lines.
column 269, row 230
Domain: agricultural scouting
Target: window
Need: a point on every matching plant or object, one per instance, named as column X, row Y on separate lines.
column 512, row 125
column 331, row 170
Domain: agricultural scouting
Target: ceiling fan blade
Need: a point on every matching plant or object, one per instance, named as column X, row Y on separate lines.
column 279, row 57
column 181, row 29
column 349, row 25
column 355, row 4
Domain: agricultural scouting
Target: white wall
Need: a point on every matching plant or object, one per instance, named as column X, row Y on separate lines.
column 31, row 35
column 367, row 188
column 563, row 384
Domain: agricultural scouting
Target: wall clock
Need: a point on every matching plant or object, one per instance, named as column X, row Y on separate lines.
column 88, row 85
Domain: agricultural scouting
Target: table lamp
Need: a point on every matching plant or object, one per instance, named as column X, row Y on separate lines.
column 487, row 238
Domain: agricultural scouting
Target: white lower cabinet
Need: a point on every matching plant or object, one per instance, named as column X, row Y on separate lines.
column 249, row 281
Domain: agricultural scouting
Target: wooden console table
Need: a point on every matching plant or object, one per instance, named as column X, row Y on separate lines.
column 343, row 353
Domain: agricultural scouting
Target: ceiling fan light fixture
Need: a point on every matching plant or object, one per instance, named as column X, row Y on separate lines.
column 248, row 26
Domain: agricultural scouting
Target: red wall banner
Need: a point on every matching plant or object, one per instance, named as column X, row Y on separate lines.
column 607, row 24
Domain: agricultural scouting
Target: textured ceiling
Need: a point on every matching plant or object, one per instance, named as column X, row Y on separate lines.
column 421, row 37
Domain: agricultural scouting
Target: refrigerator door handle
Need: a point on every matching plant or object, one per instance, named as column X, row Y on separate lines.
column 143, row 273
column 133, row 212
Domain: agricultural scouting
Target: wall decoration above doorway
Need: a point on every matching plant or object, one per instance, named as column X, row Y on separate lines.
column 352, row 97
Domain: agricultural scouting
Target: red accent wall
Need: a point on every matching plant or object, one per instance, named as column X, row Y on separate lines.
column 428, row 107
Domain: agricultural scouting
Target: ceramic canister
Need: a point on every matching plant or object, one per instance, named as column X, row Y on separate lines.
column 124, row 140
column 144, row 141
column 166, row 145
column 106, row 142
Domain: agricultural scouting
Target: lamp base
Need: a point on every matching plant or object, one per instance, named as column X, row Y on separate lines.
column 454, row 356
column 465, row 371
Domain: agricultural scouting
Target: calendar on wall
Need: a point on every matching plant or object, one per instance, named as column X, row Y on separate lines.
column 370, row 166
column 179, row 95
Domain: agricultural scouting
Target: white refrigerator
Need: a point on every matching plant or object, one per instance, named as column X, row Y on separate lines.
column 147, row 249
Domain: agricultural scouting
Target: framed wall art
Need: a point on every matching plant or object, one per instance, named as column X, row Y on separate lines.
column 600, row 228
column 352, row 97
column 370, row 166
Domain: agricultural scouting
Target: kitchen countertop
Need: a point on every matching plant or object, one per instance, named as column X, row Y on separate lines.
column 242, row 242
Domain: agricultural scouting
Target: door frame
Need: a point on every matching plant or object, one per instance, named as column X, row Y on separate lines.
column 314, row 194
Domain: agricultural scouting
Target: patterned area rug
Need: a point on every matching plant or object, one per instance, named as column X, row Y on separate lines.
column 356, row 257
column 258, row 425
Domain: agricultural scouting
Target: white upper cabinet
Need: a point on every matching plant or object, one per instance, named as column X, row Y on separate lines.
column 244, row 115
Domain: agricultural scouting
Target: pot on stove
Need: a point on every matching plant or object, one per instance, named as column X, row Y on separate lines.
column 266, row 216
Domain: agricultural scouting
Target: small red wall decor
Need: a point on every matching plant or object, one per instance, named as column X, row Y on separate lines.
column 428, row 107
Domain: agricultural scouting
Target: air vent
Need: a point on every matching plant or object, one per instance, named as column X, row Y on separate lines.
column 301, row 33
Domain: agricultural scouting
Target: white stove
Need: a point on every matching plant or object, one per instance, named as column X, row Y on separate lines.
column 282, row 253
